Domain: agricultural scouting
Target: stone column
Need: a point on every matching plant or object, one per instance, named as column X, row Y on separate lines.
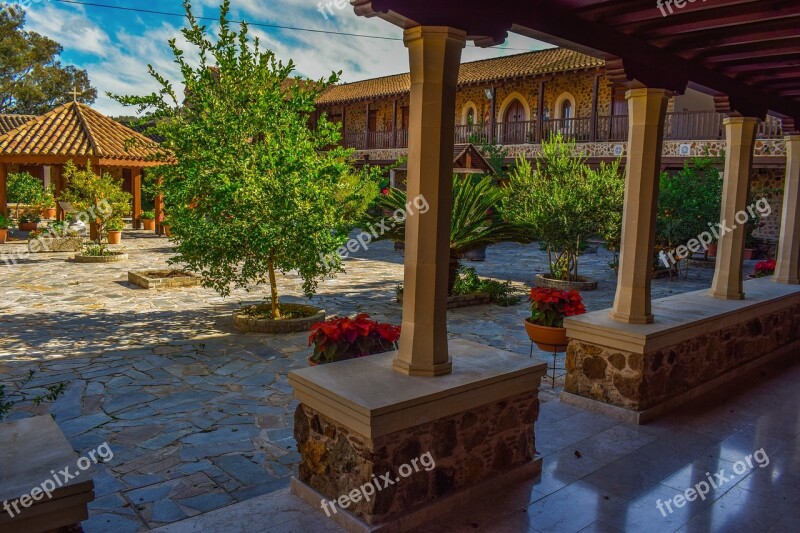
column 57, row 179
column 4, row 189
column 740, row 137
column 787, row 269
column 434, row 56
column 646, row 111
column 136, row 192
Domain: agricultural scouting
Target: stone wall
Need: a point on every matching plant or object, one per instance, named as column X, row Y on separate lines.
column 467, row 448
column 768, row 183
column 641, row 381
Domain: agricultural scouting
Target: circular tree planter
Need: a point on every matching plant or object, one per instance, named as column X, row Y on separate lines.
column 244, row 322
column 28, row 226
column 582, row 285
column 114, row 257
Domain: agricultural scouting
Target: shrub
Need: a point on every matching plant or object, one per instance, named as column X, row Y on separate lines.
column 549, row 307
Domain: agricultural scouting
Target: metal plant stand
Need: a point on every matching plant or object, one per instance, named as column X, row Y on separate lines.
column 552, row 370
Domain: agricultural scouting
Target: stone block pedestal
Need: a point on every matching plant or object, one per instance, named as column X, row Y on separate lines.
column 430, row 443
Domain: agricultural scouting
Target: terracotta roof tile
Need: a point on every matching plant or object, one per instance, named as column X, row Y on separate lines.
column 528, row 64
column 76, row 130
column 9, row 122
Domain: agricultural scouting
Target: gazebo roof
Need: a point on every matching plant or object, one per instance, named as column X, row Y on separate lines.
column 9, row 122
column 75, row 130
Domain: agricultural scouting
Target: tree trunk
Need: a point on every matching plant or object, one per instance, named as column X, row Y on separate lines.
column 455, row 264
column 273, row 288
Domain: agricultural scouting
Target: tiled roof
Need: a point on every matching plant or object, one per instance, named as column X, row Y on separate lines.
column 76, row 130
column 528, row 64
column 9, row 122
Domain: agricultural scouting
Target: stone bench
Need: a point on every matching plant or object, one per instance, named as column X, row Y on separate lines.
column 29, row 450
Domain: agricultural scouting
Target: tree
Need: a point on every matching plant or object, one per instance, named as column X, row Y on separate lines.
column 253, row 189
column 564, row 201
column 100, row 197
column 477, row 219
column 25, row 189
column 32, row 79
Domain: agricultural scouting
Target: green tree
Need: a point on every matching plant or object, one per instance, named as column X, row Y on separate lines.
column 25, row 189
column 253, row 190
column 477, row 219
column 32, row 79
column 100, row 197
column 564, row 201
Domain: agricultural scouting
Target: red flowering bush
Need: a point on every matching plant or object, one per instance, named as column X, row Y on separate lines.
column 549, row 307
column 764, row 268
column 337, row 339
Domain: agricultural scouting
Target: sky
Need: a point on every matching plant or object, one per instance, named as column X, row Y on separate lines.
column 115, row 46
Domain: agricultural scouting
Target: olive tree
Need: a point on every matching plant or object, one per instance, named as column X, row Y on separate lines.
column 254, row 186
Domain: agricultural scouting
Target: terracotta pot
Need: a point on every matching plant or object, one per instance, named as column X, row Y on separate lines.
column 547, row 338
column 49, row 213
column 712, row 250
column 114, row 237
column 3, row 235
column 28, row 226
column 149, row 224
column 166, row 230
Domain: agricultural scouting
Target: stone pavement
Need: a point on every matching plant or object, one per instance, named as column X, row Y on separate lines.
column 199, row 416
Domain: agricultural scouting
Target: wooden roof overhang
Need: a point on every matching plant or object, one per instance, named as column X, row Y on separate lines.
column 745, row 53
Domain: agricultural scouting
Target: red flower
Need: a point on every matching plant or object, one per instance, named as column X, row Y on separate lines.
column 549, row 307
column 385, row 191
column 345, row 338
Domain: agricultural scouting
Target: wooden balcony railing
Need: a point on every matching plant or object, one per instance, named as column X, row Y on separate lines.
column 678, row 126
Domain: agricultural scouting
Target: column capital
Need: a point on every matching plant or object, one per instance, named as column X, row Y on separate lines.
column 434, row 32
column 736, row 119
column 641, row 92
column 792, row 138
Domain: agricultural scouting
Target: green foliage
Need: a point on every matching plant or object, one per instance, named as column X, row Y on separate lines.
column 100, row 197
column 18, row 396
column 22, row 188
column 32, row 79
column 115, row 224
column 95, row 249
column 501, row 293
column 4, row 222
column 30, row 218
column 563, row 202
column 253, row 188
column 148, row 215
column 688, row 201
column 477, row 219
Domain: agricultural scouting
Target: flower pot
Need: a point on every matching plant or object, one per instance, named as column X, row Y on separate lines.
column 49, row 213
column 28, row 226
column 547, row 338
column 750, row 253
column 166, row 230
column 114, row 237
column 712, row 250
column 3, row 235
column 149, row 224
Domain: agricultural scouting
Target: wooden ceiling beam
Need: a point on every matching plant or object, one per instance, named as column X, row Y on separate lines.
column 752, row 33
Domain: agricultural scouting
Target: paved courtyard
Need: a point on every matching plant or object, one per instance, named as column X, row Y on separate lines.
column 197, row 415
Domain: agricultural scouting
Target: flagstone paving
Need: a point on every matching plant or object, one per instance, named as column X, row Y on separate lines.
column 197, row 415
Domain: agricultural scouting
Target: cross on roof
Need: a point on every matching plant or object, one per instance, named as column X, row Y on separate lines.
column 75, row 94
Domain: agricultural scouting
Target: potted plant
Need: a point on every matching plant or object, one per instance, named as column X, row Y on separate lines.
column 29, row 222
column 48, row 203
column 114, row 230
column 165, row 226
column 764, row 269
column 148, row 220
column 338, row 339
column 549, row 308
column 4, row 222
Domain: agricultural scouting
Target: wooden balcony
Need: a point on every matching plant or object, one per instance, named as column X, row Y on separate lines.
column 678, row 126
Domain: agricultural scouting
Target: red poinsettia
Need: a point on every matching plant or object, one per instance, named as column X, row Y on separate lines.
column 764, row 268
column 346, row 338
column 549, row 307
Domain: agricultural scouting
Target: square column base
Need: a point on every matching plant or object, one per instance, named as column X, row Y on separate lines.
column 420, row 445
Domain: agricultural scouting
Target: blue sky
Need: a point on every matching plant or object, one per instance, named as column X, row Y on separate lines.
column 115, row 46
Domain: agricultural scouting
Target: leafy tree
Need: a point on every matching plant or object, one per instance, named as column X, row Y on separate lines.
column 688, row 201
column 32, row 79
column 100, row 197
column 564, row 201
column 477, row 219
column 253, row 190
column 22, row 188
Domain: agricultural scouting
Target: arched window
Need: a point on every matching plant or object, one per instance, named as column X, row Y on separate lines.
column 566, row 110
column 471, row 116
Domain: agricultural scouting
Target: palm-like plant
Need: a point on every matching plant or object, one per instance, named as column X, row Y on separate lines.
column 476, row 220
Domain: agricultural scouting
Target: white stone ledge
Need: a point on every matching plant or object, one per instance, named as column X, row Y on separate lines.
column 682, row 317
column 371, row 398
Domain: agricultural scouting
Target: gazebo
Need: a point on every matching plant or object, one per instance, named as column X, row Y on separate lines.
column 75, row 132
